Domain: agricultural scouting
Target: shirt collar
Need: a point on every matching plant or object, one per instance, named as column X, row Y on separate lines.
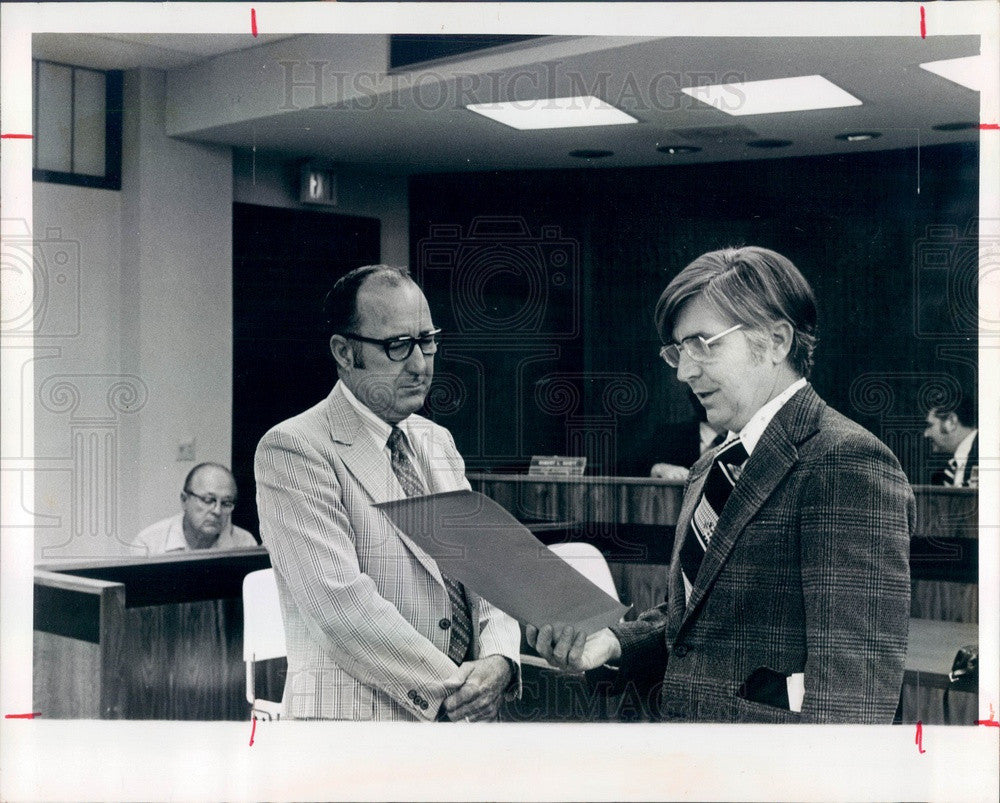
column 379, row 429
column 176, row 542
column 962, row 452
column 754, row 429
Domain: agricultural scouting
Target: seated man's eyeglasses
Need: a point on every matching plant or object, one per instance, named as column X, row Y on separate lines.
column 209, row 501
column 696, row 347
column 399, row 349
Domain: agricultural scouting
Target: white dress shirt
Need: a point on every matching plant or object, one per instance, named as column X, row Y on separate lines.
column 961, row 457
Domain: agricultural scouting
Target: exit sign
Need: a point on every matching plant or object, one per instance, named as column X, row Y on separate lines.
column 317, row 186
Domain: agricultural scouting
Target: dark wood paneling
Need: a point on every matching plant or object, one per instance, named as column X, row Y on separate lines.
column 284, row 263
column 65, row 677
column 185, row 661
column 896, row 326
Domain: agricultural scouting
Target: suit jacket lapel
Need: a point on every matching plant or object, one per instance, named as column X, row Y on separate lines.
column 364, row 459
column 773, row 457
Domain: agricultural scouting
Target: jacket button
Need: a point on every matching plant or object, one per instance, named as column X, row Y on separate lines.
column 411, row 694
column 423, row 705
column 680, row 650
column 444, row 624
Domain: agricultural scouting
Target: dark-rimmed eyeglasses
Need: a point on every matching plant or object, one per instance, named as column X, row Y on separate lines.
column 211, row 500
column 696, row 347
column 399, row 349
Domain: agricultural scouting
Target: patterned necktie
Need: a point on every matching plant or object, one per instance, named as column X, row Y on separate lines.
column 951, row 471
column 722, row 476
column 461, row 618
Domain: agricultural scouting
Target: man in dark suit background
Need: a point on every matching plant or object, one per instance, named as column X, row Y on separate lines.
column 952, row 430
column 788, row 589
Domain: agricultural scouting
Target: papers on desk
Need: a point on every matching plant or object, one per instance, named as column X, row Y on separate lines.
column 476, row 541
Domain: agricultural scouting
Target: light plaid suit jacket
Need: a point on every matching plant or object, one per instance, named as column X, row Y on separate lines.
column 807, row 571
column 363, row 605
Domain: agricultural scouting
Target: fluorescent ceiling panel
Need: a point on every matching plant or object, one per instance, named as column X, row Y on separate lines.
column 573, row 112
column 967, row 72
column 800, row 94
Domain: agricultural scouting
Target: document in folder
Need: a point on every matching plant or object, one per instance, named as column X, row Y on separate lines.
column 476, row 541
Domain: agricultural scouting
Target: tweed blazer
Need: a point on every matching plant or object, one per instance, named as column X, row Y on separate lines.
column 807, row 571
column 365, row 610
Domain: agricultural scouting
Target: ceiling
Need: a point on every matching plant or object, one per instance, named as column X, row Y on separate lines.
column 415, row 120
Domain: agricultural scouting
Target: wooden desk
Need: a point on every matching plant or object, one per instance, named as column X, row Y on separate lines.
column 143, row 638
column 944, row 558
column 932, row 650
column 617, row 500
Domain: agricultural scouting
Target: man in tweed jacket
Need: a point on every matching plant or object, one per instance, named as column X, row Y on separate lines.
column 799, row 608
column 368, row 618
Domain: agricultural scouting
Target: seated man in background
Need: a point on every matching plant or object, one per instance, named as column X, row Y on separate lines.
column 952, row 430
column 683, row 444
column 207, row 503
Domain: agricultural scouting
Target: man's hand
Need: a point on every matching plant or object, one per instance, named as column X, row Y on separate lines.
column 479, row 686
column 566, row 647
column 667, row 471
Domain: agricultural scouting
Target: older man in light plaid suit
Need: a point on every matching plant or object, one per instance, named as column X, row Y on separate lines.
column 374, row 631
column 788, row 595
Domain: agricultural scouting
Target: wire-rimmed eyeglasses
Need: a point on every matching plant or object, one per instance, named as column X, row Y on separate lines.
column 697, row 347
column 211, row 499
column 399, row 349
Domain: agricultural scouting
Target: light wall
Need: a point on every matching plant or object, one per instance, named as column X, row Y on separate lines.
column 134, row 356
column 270, row 179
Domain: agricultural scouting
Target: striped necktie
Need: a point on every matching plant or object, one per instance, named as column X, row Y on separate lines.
column 951, row 471
column 461, row 618
column 722, row 476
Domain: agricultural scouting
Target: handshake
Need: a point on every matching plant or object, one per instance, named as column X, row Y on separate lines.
column 567, row 648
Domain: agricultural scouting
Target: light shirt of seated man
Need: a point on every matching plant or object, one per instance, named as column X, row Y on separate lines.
column 207, row 501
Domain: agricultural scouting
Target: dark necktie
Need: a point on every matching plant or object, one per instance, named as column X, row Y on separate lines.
column 461, row 619
column 722, row 476
column 951, row 471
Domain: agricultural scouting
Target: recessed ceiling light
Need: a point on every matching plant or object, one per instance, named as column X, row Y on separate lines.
column 678, row 150
column 858, row 136
column 955, row 126
column 571, row 112
column 967, row 71
column 777, row 95
column 769, row 143
column 590, row 154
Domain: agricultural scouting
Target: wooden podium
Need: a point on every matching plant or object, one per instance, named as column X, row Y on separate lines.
column 144, row 638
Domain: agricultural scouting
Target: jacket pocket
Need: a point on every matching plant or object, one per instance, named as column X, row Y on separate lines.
column 750, row 711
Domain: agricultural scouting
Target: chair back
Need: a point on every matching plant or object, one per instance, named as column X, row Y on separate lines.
column 263, row 629
column 588, row 560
